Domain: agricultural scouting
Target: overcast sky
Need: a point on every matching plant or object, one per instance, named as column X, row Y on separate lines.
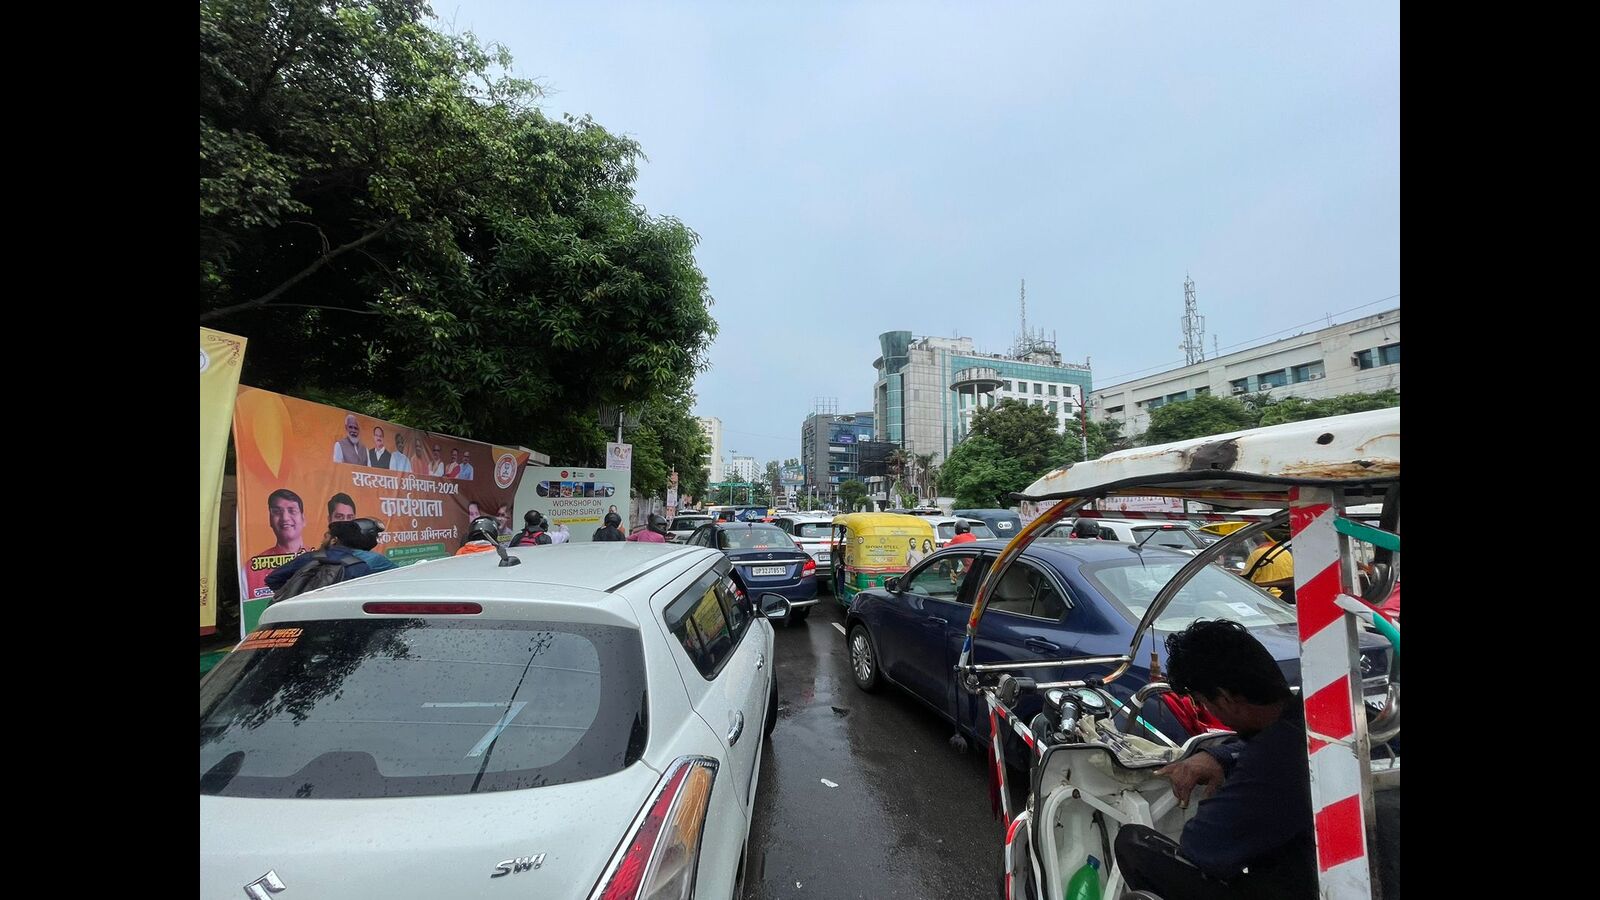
column 854, row 168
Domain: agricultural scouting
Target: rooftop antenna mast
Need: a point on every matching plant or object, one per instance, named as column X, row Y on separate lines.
column 1194, row 326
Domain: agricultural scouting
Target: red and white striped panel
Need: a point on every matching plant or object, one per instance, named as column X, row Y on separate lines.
column 1336, row 749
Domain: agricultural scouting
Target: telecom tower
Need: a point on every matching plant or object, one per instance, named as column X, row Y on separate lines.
column 1033, row 343
column 1194, row 326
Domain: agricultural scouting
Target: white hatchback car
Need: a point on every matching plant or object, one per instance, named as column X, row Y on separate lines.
column 587, row 724
column 944, row 528
column 814, row 534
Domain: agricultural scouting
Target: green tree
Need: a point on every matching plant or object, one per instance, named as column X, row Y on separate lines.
column 397, row 228
column 1202, row 416
column 1025, row 432
column 979, row 473
column 852, row 495
column 1299, row 409
column 774, row 478
column 668, row 438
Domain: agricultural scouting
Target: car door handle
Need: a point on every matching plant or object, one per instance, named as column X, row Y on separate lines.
column 737, row 729
column 1041, row 645
column 761, row 660
column 935, row 620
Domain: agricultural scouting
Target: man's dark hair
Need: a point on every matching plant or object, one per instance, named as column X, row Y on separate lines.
column 286, row 494
column 1210, row 656
column 338, row 499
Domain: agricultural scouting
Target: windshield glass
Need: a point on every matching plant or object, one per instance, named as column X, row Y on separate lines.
column 1156, row 536
column 813, row 529
column 755, row 537
column 1211, row 594
column 688, row 523
column 410, row 707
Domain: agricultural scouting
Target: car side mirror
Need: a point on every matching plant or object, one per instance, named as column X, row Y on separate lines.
column 892, row 585
column 775, row 607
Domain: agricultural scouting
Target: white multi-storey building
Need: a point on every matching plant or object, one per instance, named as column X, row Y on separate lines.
column 711, row 426
column 1357, row 357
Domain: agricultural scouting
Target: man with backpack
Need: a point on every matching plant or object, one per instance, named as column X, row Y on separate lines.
column 345, row 553
column 533, row 531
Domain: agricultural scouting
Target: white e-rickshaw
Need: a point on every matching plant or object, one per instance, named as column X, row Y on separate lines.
column 1093, row 758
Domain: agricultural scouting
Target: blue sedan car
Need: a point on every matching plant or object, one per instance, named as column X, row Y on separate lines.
column 765, row 561
column 1062, row 598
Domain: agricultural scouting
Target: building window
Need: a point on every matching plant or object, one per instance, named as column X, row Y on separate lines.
column 1113, row 409
column 1053, row 410
column 1239, row 386
column 1202, row 391
column 1007, row 385
column 1276, row 378
column 1052, row 390
column 1387, row 355
column 1155, row 402
column 1178, row 397
column 1038, row 388
column 1308, row 372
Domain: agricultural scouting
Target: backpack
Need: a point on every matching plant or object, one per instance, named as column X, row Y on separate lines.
column 527, row 538
column 322, row 570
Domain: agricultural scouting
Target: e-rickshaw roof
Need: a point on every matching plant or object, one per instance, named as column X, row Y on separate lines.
column 874, row 521
column 1359, row 453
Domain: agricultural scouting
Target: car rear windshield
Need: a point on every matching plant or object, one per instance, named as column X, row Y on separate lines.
column 750, row 513
column 688, row 523
column 415, row 707
column 813, row 529
column 1157, row 536
column 754, row 537
column 1211, row 594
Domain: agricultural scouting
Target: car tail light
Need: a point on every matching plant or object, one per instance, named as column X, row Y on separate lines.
column 659, row 858
column 422, row 609
column 810, row 568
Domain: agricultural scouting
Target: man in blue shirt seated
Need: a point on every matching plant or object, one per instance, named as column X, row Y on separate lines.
column 352, row 538
column 1253, row 836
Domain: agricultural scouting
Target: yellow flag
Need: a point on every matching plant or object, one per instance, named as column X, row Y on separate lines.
column 221, row 358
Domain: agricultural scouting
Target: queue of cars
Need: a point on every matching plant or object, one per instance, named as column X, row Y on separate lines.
column 590, row 719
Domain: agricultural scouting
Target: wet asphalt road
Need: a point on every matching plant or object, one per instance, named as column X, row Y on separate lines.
column 910, row 817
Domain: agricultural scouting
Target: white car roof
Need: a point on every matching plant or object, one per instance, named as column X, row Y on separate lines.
column 593, row 582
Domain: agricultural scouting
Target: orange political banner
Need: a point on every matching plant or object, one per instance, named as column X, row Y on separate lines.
column 303, row 465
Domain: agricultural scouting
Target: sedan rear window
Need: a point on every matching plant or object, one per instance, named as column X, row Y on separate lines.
column 813, row 529
column 755, row 537
column 416, row 707
column 1178, row 538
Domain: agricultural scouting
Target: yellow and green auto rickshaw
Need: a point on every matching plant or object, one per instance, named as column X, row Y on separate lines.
column 870, row 548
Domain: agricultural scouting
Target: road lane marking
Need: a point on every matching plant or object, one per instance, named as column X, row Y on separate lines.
column 838, row 626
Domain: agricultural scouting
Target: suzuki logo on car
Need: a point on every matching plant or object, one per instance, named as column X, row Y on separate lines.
column 265, row 886
column 520, row 864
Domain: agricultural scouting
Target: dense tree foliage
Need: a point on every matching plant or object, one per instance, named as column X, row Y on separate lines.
column 397, row 228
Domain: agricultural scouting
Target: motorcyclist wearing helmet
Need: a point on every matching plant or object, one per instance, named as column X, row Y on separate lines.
column 355, row 538
column 964, row 533
column 610, row 530
column 1086, row 528
column 654, row 531
column 534, row 530
column 482, row 534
